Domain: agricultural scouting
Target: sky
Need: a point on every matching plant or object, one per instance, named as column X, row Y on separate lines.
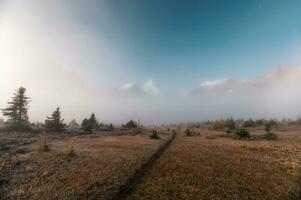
column 153, row 61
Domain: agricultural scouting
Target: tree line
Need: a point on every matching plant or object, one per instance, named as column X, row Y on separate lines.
column 18, row 120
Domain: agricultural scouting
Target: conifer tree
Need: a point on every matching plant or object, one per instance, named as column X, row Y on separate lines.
column 55, row 123
column 111, row 127
column 131, row 124
column 16, row 111
column 230, row 125
column 92, row 121
column 90, row 124
column 73, row 125
column 84, row 123
column 249, row 123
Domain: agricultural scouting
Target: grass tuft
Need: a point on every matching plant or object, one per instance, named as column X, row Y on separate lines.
column 137, row 131
column 69, row 153
column 43, row 146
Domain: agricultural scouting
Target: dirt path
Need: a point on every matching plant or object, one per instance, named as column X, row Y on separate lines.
column 296, row 194
column 129, row 186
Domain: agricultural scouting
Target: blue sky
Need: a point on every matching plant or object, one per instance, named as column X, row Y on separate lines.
column 158, row 61
column 192, row 41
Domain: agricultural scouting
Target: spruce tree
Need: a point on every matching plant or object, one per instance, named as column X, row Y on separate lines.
column 131, row 124
column 93, row 122
column 73, row 125
column 16, row 111
column 111, row 127
column 55, row 123
column 84, row 123
column 230, row 125
column 90, row 124
column 249, row 123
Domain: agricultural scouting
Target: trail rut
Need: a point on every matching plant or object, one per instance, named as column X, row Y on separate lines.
column 133, row 181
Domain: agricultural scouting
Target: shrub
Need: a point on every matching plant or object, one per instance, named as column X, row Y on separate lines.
column 131, row 124
column 268, row 127
column 249, row 123
column 188, row 132
column 111, row 127
column 13, row 127
column 273, row 123
column 154, row 135
column 230, row 125
column 137, row 130
column 260, row 122
column 271, row 136
column 218, row 125
column 37, row 130
column 228, row 130
column 243, row 133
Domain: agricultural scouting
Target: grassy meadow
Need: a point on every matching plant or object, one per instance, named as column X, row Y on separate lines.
column 207, row 164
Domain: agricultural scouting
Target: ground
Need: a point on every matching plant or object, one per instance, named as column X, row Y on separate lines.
column 100, row 165
column 215, row 166
column 207, row 165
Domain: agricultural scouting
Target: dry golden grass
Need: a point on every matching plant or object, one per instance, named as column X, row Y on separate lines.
column 43, row 146
column 100, row 166
column 210, row 167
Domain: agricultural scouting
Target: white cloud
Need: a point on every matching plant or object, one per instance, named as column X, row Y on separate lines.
column 132, row 89
column 274, row 81
column 150, row 88
column 217, row 86
column 213, row 83
column 275, row 94
column 147, row 89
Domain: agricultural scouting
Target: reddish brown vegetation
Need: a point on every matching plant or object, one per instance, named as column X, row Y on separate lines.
column 216, row 167
column 100, row 166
